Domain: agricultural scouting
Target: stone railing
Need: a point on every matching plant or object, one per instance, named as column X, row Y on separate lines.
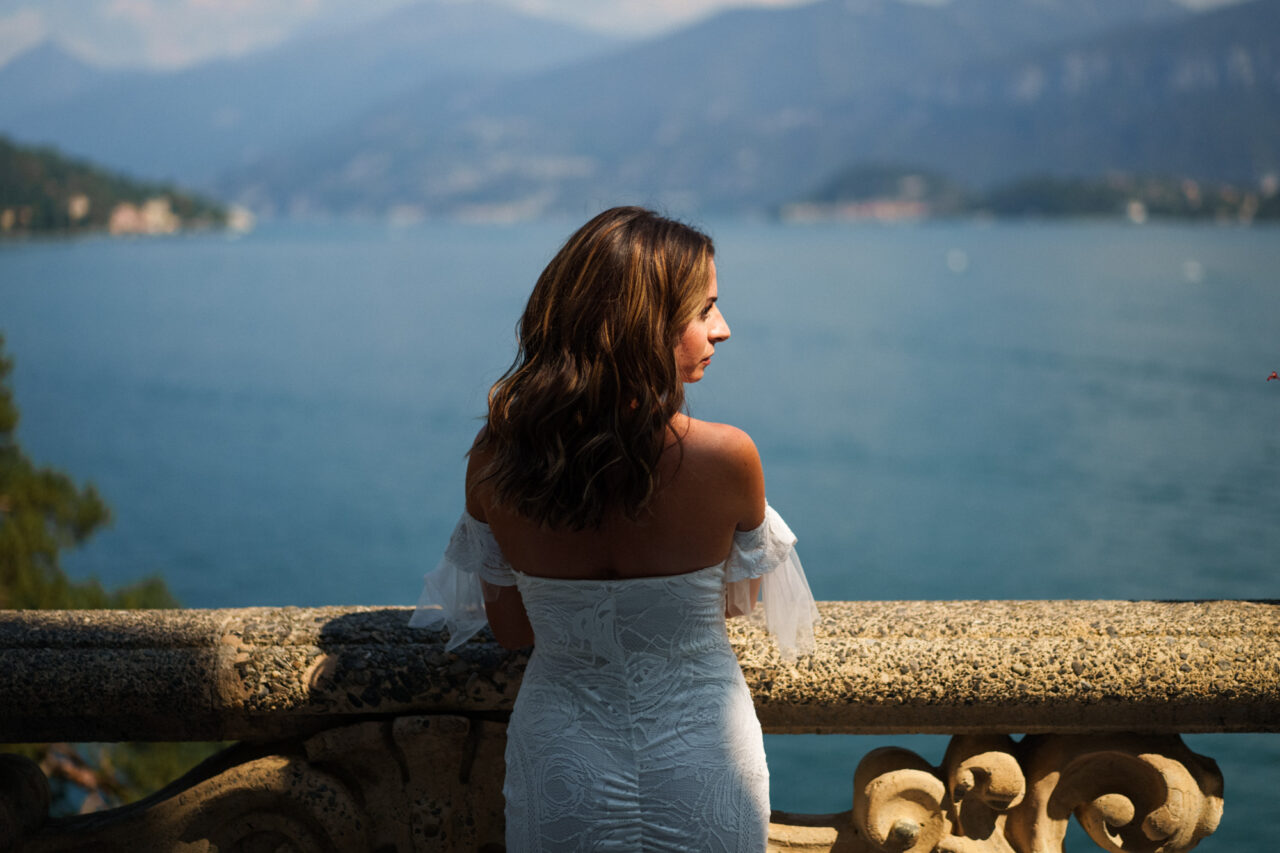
column 357, row 733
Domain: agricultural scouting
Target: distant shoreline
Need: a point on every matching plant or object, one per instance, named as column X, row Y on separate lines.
column 895, row 194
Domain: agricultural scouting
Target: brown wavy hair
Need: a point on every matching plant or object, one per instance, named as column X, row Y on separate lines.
column 577, row 424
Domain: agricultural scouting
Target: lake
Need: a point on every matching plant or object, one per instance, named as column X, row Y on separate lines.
column 944, row 410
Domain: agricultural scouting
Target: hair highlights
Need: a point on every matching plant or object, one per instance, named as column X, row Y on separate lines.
column 577, row 424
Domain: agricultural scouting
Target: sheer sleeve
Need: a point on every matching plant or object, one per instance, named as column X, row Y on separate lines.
column 768, row 552
column 452, row 595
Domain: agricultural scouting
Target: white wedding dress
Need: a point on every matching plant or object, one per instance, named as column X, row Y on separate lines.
column 633, row 729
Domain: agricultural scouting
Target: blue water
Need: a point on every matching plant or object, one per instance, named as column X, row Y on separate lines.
column 958, row 410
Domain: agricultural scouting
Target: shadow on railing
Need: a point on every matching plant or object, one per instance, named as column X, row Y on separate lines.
column 358, row 733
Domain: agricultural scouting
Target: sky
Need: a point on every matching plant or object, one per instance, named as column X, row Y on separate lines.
column 178, row 33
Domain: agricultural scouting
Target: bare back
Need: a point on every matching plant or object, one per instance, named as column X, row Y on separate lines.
column 712, row 485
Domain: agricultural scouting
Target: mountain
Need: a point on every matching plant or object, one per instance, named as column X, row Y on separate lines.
column 471, row 110
column 743, row 110
column 193, row 124
column 45, row 74
column 1198, row 97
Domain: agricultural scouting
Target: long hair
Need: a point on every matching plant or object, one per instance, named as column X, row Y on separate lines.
column 577, row 424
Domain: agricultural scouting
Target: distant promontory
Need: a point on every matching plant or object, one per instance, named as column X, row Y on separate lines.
column 43, row 191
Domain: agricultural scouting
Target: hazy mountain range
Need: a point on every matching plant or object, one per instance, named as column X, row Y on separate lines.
column 193, row 124
column 449, row 109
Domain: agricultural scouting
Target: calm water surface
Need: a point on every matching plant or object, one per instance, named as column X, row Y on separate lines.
column 944, row 411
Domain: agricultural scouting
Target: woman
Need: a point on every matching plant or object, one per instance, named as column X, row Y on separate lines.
column 613, row 532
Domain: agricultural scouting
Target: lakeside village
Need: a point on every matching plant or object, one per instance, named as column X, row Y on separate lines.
column 44, row 192
column 152, row 216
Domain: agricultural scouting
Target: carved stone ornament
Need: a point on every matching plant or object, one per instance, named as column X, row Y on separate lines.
column 434, row 783
column 995, row 795
column 421, row 783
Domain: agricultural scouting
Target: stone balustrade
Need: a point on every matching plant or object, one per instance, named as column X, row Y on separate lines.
column 357, row 733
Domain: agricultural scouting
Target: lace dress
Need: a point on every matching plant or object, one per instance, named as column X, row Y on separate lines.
column 633, row 729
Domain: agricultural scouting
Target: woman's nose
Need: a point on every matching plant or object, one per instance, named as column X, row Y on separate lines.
column 718, row 330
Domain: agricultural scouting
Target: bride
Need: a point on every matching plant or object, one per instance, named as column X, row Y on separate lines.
column 614, row 533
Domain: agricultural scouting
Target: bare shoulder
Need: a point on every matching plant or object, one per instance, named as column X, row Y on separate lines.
column 726, row 456
column 724, row 441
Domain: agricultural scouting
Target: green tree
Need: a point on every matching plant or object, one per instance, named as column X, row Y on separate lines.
column 42, row 512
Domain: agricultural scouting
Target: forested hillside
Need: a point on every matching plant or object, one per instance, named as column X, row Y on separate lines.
column 43, row 191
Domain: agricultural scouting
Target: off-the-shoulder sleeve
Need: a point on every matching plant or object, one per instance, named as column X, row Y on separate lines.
column 768, row 552
column 452, row 595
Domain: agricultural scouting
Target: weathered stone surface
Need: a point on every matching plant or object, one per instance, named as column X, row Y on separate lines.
column 1025, row 666
column 416, row 783
column 825, row 833
column 24, row 798
column 251, row 674
column 953, row 667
